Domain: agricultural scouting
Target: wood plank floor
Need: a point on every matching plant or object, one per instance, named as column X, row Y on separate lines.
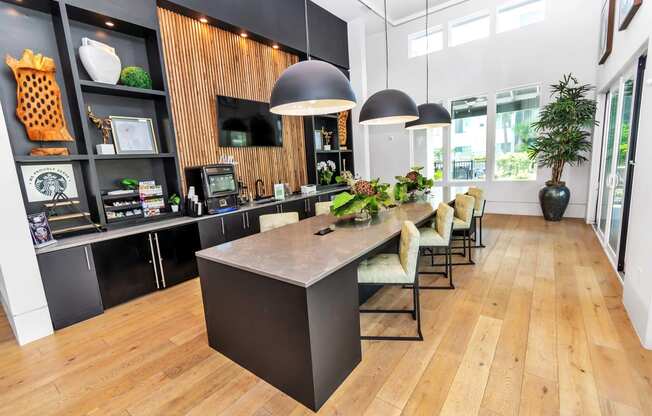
column 536, row 327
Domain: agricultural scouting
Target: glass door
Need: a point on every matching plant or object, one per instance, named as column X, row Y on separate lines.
column 615, row 162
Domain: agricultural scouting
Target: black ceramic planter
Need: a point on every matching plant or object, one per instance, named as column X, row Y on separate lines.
column 554, row 201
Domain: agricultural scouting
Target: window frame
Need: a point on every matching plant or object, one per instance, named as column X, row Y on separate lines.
column 469, row 18
column 492, row 147
column 515, row 4
column 420, row 34
column 448, row 145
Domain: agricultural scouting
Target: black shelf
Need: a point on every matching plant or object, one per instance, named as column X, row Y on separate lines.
column 327, row 151
column 46, row 159
column 120, row 90
column 134, row 156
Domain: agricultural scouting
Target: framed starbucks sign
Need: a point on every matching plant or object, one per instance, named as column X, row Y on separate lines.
column 43, row 182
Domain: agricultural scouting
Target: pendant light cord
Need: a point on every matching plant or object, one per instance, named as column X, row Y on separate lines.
column 305, row 13
column 427, row 53
column 386, row 50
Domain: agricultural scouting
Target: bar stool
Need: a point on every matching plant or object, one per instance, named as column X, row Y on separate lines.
column 271, row 221
column 478, row 213
column 395, row 269
column 462, row 223
column 438, row 236
column 322, row 208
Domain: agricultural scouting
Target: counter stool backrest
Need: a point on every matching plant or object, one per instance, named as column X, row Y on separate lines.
column 444, row 220
column 464, row 205
column 322, row 208
column 271, row 221
column 478, row 194
column 409, row 248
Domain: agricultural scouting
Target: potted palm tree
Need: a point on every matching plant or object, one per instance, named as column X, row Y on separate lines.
column 564, row 130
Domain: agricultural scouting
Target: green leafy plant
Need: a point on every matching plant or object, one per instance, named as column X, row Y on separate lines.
column 174, row 199
column 345, row 177
column 564, row 128
column 367, row 196
column 128, row 183
column 414, row 181
column 135, row 76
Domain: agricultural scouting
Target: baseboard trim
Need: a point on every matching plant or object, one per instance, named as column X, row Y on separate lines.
column 574, row 210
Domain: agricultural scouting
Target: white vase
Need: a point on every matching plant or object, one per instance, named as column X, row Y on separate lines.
column 100, row 61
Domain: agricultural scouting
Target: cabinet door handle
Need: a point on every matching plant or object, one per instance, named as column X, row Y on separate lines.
column 222, row 225
column 248, row 223
column 151, row 247
column 160, row 259
column 88, row 261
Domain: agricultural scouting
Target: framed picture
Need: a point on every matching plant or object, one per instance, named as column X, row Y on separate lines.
column 626, row 11
column 606, row 30
column 39, row 228
column 43, row 182
column 133, row 135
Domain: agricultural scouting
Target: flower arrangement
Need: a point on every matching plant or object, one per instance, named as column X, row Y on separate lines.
column 409, row 184
column 346, row 177
column 325, row 171
column 365, row 199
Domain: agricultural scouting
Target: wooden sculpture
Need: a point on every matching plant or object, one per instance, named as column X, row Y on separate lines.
column 103, row 124
column 39, row 105
column 341, row 128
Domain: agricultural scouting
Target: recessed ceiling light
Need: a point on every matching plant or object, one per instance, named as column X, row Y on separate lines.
column 203, row 20
column 244, row 35
column 275, row 46
column 109, row 23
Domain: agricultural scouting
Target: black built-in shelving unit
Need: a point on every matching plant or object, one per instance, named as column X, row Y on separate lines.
column 54, row 29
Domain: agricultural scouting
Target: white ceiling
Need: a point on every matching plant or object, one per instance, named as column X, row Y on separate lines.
column 398, row 11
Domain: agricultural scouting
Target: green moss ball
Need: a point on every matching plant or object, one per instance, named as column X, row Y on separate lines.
column 135, row 76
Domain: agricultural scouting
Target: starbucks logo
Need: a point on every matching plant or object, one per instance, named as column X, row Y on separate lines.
column 50, row 183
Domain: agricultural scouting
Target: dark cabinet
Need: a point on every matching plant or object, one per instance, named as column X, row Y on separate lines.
column 126, row 268
column 175, row 249
column 253, row 217
column 212, row 232
column 236, row 226
column 70, row 285
column 301, row 206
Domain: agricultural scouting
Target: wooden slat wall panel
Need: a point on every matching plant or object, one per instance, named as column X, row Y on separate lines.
column 203, row 62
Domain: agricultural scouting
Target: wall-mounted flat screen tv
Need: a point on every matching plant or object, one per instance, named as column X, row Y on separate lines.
column 244, row 123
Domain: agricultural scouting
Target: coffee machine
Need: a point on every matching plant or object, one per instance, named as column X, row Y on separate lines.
column 216, row 185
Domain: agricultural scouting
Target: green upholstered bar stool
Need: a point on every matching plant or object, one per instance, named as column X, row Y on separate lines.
column 478, row 213
column 271, row 221
column 322, row 208
column 462, row 224
column 396, row 269
column 437, row 237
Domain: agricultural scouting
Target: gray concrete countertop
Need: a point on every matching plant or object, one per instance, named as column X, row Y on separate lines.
column 294, row 254
column 81, row 240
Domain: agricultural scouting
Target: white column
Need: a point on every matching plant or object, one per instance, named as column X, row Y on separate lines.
column 358, row 72
column 21, row 288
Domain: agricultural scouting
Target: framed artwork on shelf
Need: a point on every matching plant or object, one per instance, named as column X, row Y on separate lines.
column 44, row 182
column 626, row 11
column 133, row 135
column 606, row 30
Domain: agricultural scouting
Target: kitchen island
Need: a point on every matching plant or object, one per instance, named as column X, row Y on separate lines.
column 284, row 303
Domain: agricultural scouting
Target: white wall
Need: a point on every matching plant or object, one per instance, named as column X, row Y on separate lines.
column 566, row 41
column 21, row 288
column 637, row 297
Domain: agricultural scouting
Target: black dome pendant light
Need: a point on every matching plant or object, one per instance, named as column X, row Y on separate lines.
column 311, row 87
column 388, row 106
column 430, row 114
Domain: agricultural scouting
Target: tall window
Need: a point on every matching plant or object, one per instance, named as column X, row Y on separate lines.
column 516, row 110
column 468, row 28
column 438, row 154
column 519, row 13
column 421, row 44
column 469, row 138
